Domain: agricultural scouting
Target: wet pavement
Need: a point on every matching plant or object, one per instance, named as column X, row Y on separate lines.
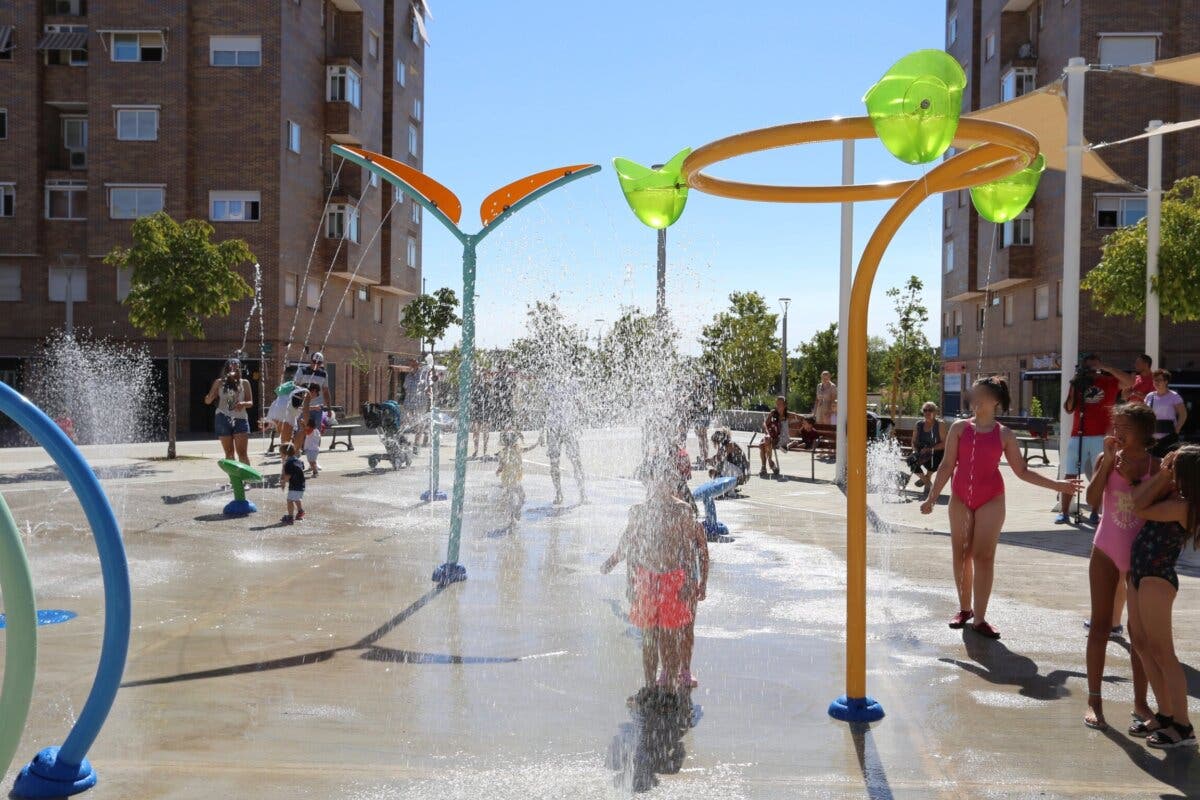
column 318, row 660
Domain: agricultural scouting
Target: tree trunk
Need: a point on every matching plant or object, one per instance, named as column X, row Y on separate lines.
column 171, row 396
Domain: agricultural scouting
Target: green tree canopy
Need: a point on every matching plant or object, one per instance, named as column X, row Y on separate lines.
column 910, row 360
column 819, row 354
column 428, row 316
column 1118, row 282
column 180, row 278
column 741, row 349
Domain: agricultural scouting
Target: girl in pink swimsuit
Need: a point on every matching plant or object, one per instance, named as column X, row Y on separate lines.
column 973, row 450
column 1125, row 463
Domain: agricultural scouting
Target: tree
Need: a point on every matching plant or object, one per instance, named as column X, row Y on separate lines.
column 911, row 360
column 179, row 279
column 740, row 348
column 818, row 354
column 428, row 317
column 639, row 365
column 1118, row 282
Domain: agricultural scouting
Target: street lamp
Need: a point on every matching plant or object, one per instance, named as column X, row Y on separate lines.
column 783, row 370
column 599, row 330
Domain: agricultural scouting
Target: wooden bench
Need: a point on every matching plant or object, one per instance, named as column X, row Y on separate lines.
column 1031, row 432
column 824, row 447
column 345, row 431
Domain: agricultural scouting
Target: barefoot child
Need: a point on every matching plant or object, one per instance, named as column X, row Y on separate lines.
column 312, row 446
column 662, row 578
column 1170, row 504
column 511, row 470
column 1124, row 464
column 973, row 450
column 291, row 480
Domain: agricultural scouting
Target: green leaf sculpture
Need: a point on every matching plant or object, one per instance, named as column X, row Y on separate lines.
column 1002, row 200
column 915, row 106
column 657, row 196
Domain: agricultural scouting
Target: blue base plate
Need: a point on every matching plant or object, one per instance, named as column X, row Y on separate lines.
column 715, row 530
column 436, row 496
column 856, row 709
column 45, row 777
column 47, row 616
column 239, row 508
column 448, row 573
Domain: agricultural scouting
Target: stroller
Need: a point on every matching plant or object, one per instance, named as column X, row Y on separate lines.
column 385, row 419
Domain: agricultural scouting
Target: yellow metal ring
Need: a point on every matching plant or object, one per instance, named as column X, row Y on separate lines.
column 1013, row 148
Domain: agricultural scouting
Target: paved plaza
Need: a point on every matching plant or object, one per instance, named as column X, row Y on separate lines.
column 319, row 661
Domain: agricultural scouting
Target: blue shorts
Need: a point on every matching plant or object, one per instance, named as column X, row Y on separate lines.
column 1093, row 447
column 225, row 426
column 316, row 416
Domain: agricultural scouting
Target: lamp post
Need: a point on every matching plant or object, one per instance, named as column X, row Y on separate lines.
column 599, row 330
column 783, row 370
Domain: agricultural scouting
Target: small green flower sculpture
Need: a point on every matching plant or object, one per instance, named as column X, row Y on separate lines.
column 1002, row 200
column 657, row 196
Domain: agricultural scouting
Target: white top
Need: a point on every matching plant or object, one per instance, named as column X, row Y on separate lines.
column 313, row 440
column 229, row 398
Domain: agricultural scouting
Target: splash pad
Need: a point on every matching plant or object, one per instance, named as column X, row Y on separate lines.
column 914, row 111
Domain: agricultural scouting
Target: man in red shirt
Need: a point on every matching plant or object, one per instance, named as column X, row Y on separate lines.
column 1143, row 380
column 1094, row 391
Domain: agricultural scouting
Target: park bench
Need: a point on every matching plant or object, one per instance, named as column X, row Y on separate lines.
column 1031, row 432
column 825, row 447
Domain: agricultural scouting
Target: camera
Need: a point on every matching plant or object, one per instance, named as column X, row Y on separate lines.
column 1084, row 377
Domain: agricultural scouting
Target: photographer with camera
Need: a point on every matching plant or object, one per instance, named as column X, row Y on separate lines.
column 233, row 396
column 1094, row 391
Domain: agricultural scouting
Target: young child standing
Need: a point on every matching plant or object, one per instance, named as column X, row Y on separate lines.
column 1170, row 504
column 291, row 480
column 659, row 544
column 973, row 450
column 312, row 447
column 511, row 470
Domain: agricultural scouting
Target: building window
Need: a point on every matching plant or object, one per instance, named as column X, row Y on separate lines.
column 1058, row 297
column 1116, row 211
column 233, row 206
column 400, row 70
column 137, row 47
column 1041, row 301
column 342, row 223
column 75, row 135
column 68, row 282
column 135, row 124
column 963, row 194
column 8, row 42
column 64, row 45
column 1018, row 231
column 8, row 199
column 124, row 284
column 291, row 289
column 293, row 136
column 373, row 179
column 1125, row 49
column 133, row 202
column 415, row 214
column 345, row 86
column 945, row 325
column 989, row 47
column 1016, row 82
column 952, row 29
column 948, row 256
column 980, row 316
column 10, row 284
column 413, row 140
column 412, row 251
column 373, row 44
column 3, row 123
column 416, row 109
column 958, row 322
column 377, row 308
column 235, row 51
column 348, row 305
column 947, row 218
column 312, row 294
column 1008, row 310
column 66, row 200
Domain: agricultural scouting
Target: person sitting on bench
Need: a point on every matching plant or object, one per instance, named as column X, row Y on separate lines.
column 776, row 435
column 928, row 444
column 807, row 434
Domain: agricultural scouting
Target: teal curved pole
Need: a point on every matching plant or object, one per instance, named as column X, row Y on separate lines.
column 20, row 637
column 452, row 571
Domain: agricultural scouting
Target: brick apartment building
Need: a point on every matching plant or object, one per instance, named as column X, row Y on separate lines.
column 1003, row 283
column 222, row 110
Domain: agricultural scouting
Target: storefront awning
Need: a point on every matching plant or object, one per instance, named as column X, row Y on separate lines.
column 71, row 40
column 1044, row 114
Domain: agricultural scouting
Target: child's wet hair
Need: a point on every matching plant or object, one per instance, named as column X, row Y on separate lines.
column 1140, row 417
column 288, row 449
column 1187, row 482
column 998, row 388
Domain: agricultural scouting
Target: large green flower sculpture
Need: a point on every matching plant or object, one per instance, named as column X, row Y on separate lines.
column 1003, row 200
column 657, row 196
column 915, row 106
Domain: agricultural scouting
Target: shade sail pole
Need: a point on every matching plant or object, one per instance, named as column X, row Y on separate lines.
column 846, row 277
column 1072, row 220
column 1153, row 234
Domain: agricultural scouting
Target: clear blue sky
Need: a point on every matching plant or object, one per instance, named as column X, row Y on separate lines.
column 517, row 87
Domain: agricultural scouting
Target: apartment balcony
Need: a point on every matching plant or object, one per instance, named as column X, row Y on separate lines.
column 343, row 122
column 65, row 87
column 348, row 186
column 1011, row 266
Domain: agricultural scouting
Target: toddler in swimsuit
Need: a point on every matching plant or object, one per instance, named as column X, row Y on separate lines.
column 1124, row 464
column 660, row 544
column 973, row 450
column 1170, row 504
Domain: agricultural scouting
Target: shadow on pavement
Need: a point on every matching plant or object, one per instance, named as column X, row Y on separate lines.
column 874, row 775
column 53, row 473
column 1179, row 769
column 652, row 743
column 995, row 663
column 1190, row 673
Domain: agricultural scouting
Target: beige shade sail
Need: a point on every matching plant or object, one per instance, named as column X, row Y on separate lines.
column 1183, row 69
column 1044, row 114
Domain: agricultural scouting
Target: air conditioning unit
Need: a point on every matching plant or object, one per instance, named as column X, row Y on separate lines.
column 78, row 159
column 1026, row 51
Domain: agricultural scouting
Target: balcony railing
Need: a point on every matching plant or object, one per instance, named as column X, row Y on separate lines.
column 64, row 8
